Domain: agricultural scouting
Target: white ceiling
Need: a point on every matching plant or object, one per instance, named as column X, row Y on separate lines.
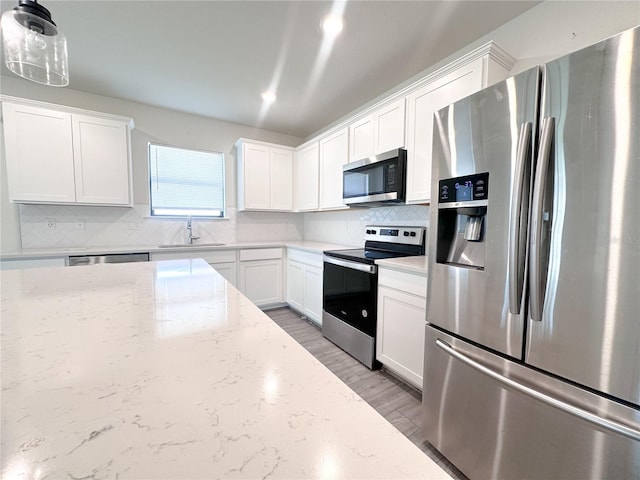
column 214, row 58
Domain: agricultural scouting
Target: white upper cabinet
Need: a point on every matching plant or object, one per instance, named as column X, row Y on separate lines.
column 389, row 126
column 334, row 153
column 265, row 176
column 379, row 132
column 361, row 134
column 469, row 75
column 281, row 179
column 305, row 175
column 66, row 156
column 101, row 160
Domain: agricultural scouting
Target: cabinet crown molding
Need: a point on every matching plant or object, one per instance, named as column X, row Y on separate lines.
column 67, row 109
column 242, row 141
column 490, row 49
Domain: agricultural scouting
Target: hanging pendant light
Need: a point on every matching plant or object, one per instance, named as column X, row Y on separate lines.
column 33, row 47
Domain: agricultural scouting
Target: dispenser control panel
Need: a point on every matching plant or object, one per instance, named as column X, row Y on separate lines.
column 464, row 189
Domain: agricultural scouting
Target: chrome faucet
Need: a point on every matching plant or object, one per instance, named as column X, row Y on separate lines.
column 190, row 237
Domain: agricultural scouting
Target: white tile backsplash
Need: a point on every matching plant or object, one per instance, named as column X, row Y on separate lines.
column 121, row 226
column 347, row 226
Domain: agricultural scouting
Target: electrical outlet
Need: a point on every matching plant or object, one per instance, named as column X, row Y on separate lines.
column 134, row 225
column 51, row 223
column 79, row 224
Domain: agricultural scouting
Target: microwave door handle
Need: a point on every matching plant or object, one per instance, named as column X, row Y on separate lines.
column 516, row 245
column 542, row 166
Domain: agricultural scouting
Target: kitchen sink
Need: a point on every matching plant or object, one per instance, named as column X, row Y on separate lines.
column 181, row 245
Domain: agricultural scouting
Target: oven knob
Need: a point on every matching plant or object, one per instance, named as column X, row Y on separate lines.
column 373, row 231
column 365, row 314
column 369, row 232
column 406, row 234
column 413, row 234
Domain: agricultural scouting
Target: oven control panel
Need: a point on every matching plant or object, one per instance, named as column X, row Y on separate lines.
column 392, row 234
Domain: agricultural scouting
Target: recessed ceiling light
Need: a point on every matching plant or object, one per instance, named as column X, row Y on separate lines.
column 332, row 25
column 268, row 96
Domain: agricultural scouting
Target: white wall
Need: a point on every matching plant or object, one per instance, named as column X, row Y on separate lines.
column 152, row 124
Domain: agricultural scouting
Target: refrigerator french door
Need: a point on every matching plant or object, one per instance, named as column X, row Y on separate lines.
column 532, row 353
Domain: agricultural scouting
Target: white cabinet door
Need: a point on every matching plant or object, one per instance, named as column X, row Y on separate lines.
column 313, row 293
column 295, row 285
column 228, row 271
column 389, row 122
column 361, row 134
column 101, row 159
column 400, row 339
column 304, row 283
column 265, row 176
column 281, row 179
column 255, row 177
column 421, row 105
column 334, row 153
column 66, row 157
column 39, row 153
column 306, row 179
column 261, row 281
column 379, row 132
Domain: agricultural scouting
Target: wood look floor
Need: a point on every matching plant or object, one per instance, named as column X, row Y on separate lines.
column 398, row 402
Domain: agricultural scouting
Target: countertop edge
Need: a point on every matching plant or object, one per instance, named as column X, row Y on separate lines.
column 417, row 264
column 61, row 252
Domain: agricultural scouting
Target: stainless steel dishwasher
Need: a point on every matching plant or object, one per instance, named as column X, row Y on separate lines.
column 111, row 258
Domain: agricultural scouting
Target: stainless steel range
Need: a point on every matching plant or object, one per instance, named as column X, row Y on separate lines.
column 350, row 287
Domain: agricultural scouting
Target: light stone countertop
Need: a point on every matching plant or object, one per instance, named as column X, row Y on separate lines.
column 59, row 252
column 418, row 264
column 164, row 370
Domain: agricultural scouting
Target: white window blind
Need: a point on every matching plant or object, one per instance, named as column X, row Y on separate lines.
column 186, row 182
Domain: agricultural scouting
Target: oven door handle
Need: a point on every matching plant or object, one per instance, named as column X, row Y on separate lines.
column 363, row 267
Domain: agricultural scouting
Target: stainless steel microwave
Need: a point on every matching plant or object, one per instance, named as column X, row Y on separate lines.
column 377, row 180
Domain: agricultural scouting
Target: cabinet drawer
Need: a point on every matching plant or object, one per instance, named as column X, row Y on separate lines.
column 403, row 281
column 308, row 258
column 224, row 256
column 260, row 254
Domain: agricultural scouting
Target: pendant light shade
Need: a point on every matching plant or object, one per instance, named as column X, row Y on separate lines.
column 33, row 47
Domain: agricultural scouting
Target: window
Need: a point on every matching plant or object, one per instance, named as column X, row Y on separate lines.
column 185, row 182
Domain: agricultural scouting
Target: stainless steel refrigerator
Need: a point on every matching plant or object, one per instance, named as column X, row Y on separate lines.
column 532, row 352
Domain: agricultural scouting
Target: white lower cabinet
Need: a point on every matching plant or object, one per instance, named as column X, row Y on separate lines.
column 260, row 275
column 304, row 283
column 402, row 303
column 223, row 261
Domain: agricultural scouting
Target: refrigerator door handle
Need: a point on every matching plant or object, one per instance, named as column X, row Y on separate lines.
column 585, row 415
column 516, row 246
column 542, row 165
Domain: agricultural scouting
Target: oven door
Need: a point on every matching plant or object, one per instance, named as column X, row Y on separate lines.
column 350, row 292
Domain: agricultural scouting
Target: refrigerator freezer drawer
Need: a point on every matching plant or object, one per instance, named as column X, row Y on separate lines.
column 489, row 430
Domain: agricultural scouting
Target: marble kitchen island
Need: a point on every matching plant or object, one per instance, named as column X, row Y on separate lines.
column 164, row 370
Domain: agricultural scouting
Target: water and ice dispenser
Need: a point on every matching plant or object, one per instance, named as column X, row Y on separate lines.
column 462, row 210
